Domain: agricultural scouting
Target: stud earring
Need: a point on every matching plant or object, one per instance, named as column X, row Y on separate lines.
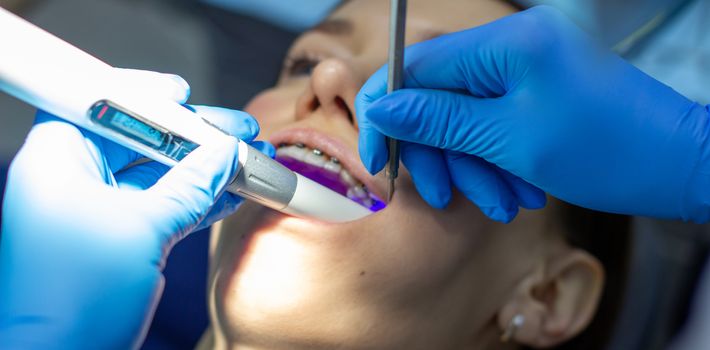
column 516, row 322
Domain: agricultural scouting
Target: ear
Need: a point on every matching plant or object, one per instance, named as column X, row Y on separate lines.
column 557, row 299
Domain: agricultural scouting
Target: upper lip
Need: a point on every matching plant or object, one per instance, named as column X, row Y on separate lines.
column 333, row 147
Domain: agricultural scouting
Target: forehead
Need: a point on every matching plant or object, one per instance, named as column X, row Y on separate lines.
column 425, row 18
column 357, row 32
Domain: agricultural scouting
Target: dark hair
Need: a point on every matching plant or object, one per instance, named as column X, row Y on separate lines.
column 607, row 237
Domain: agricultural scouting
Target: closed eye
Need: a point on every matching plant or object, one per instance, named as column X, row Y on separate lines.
column 300, row 66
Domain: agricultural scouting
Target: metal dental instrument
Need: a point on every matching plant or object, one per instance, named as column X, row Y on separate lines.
column 395, row 62
column 52, row 75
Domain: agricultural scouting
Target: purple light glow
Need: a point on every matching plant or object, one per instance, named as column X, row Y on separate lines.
column 328, row 179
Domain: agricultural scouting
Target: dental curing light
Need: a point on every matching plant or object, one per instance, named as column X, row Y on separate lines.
column 54, row 76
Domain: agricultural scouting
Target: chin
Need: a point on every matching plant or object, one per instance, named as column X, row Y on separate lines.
column 291, row 281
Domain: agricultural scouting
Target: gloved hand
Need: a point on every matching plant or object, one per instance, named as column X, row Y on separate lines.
column 84, row 237
column 531, row 97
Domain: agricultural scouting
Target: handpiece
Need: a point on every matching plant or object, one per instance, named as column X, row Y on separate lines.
column 55, row 76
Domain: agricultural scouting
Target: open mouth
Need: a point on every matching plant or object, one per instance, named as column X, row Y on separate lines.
column 328, row 171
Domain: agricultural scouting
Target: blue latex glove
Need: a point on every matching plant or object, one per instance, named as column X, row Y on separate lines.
column 531, row 97
column 84, row 240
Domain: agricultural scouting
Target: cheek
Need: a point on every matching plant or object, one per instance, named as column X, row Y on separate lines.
column 428, row 248
column 273, row 109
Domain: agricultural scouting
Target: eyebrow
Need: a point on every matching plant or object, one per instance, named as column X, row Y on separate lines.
column 335, row 26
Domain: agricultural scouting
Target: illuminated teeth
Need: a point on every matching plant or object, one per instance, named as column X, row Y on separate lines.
column 315, row 158
column 283, row 151
column 356, row 193
column 299, row 151
column 333, row 166
column 347, row 178
column 294, row 152
column 368, row 202
column 360, row 192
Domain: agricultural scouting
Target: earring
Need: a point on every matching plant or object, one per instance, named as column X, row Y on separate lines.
column 516, row 322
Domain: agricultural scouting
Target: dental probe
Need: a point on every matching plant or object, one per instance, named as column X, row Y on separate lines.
column 54, row 76
column 395, row 63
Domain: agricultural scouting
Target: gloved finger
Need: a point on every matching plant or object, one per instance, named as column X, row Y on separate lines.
column 226, row 205
column 233, row 122
column 486, row 68
column 158, row 85
column 181, row 199
column 482, row 185
column 145, row 175
column 229, row 202
column 429, row 172
column 527, row 195
column 58, row 149
column 444, row 119
column 141, row 176
column 265, row 148
column 236, row 123
column 147, row 83
column 371, row 142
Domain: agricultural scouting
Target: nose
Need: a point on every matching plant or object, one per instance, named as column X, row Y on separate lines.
column 333, row 87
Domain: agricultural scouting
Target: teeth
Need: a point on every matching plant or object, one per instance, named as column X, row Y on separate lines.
column 356, row 190
column 368, row 202
column 315, row 158
column 283, row 151
column 333, row 166
column 359, row 192
column 347, row 178
column 292, row 151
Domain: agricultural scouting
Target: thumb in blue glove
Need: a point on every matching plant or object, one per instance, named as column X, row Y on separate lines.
column 85, row 235
column 530, row 103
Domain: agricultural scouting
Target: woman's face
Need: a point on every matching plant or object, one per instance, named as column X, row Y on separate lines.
column 406, row 277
